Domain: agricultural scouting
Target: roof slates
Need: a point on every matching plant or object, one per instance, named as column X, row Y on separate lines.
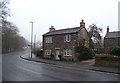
column 115, row 34
column 63, row 31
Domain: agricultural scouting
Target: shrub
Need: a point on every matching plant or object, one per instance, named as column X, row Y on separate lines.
column 115, row 51
column 38, row 52
column 84, row 53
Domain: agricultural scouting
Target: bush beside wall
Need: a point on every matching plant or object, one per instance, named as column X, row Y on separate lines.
column 38, row 53
column 84, row 53
column 115, row 51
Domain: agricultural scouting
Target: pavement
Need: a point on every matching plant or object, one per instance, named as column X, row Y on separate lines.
column 87, row 64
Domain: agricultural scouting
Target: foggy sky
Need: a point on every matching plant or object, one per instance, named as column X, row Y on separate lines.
column 62, row 14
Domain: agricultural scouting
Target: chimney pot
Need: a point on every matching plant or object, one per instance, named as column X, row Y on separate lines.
column 107, row 29
column 82, row 24
column 51, row 28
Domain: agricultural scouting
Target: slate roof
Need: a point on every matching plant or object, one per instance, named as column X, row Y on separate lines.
column 63, row 31
column 115, row 34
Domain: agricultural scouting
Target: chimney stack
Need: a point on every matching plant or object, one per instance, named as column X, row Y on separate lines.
column 107, row 29
column 51, row 28
column 82, row 24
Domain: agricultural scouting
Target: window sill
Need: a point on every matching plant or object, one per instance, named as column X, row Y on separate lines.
column 67, row 41
column 67, row 55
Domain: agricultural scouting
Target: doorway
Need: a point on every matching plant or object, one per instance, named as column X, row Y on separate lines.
column 57, row 53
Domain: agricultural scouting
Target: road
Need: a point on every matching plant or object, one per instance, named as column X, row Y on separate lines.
column 17, row 69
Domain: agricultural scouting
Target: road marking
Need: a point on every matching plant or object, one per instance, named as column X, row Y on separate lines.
column 42, row 74
column 29, row 70
column 83, row 69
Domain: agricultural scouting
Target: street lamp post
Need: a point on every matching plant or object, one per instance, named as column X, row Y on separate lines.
column 34, row 41
column 31, row 37
column 35, row 44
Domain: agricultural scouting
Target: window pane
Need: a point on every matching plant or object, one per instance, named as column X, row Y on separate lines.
column 48, row 39
column 70, row 52
column 67, row 52
column 67, row 38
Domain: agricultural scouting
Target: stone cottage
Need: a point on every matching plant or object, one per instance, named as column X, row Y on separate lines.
column 111, row 39
column 63, row 42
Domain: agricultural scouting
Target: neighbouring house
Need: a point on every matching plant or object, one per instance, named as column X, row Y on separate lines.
column 63, row 42
column 111, row 39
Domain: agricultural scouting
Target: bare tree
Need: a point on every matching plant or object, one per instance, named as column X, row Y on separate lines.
column 11, row 40
column 4, row 10
column 94, row 34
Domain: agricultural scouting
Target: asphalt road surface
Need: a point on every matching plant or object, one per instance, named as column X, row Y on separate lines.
column 16, row 69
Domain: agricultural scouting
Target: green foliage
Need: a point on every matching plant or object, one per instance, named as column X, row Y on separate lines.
column 84, row 53
column 115, row 51
column 38, row 52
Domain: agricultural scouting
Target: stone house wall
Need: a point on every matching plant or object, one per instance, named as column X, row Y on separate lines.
column 109, row 43
column 58, row 43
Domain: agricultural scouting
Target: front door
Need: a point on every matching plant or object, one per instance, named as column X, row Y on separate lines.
column 57, row 53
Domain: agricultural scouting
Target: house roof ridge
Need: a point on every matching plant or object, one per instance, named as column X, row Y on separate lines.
column 114, row 31
column 67, row 28
column 112, row 34
column 63, row 31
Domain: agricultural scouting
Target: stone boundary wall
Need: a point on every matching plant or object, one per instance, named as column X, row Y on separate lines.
column 107, row 60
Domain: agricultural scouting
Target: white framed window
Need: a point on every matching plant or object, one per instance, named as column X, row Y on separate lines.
column 48, row 52
column 67, row 38
column 67, row 52
column 48, row 39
